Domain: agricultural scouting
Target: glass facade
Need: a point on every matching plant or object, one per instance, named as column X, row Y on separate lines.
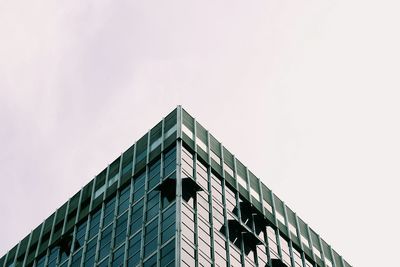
column 177, row 197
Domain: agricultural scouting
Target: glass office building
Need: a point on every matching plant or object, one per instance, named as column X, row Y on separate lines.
column 177, row 197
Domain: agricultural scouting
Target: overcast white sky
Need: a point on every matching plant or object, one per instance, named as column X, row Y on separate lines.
column 305, row 93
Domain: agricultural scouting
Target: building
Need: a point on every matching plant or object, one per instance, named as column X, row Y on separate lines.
column 176, row 197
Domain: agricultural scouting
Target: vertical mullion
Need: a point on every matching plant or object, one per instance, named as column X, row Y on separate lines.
column 27, row 249
column 128, row 233
column 210, row 199
column 195, row 230
column 89, row 221
column 178, row 144
column 223, row 184
column 38, row 245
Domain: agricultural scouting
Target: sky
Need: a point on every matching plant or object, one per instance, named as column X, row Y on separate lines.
column 305, row 93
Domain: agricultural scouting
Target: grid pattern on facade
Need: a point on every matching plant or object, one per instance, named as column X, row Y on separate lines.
column 132, row 225
column 219, row 229
column 291, row 240
column 177, row 197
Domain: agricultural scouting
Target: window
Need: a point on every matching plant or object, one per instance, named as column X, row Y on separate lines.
column 150, row 238
column 280, row 217
column 109, row 211
column 134, row 249
column 297, row 258
column 170, row 132
column 90, row 252
column 155, row 144
column 123, row 203
column 154, row 175
column 201, row 144
column 76, row 259
column 215, row 157
column 285, row 251
column 241, row 181
column 169, row 162
column 118, row 257
column 292, row 229
column 187, row 131
column 80, row 236
column 273, row 247
column 317, row 252
column 136, row 217
column 228, row 169
column 100, row 191
column 255, row 194
column 304, row 240
column 153, row 204
column 187, row 163
column 113, row 179
column 120, row 229
column 94, row 224
column 168, row 224
column 267, row 206
column 105, row 242
column 138, row 185
column 230, row 200
column 167, row 253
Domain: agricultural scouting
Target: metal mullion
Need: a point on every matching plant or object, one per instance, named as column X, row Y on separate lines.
column 6, row 256
column 223, row 184
column 298, row 232
column 120, row 170
column 278, row 242
column 210, row 200
column 303, row 258
column 100, row 234
column 5, row 259
column 178, row 219
column 342, row 261
column 332, row 256
column 89, row 221
column 322, row 252
column 131, row 200
column 160, row 197
column 290, row 245
column 265, row 229
column 242, row 253
column 38, row 245
column 15, row 256
column 27, row 249
column 129, row 209
column 114, row 225
column 159, row 231
column 194, row 162
column 50, row 238
column 134, row 159
column 196, row 224
column 277, row 232
column 162, row 137
column 161, row 170
column 267, row 246
column 63, row 230
column 310, row 242
column 248, row 184
column 127, row 235
column 116, row 209
column 76, row 228
column 144, row 219
column 178, row 160
column 146, row 189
